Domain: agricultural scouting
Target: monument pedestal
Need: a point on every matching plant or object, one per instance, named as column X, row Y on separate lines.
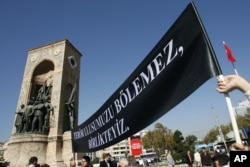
column 23, row 146
column 47, row 149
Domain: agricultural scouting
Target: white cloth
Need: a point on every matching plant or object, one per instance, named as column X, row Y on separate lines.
column 170, row 160
column 32, row 165
column 197, row 157
column 141, row 162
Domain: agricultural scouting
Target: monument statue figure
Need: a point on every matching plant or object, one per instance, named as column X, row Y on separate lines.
column 28, row 116
column 49, row 108
column 19, row 119
column 39, row 113
column 71, row 107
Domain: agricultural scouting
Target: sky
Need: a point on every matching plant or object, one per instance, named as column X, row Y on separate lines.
column 114, row 37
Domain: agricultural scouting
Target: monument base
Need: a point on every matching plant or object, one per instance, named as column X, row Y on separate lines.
column 23, row 146
column 55, row 151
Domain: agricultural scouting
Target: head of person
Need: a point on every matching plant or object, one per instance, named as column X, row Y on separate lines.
column 203, row 149
column 85, row 162
column 33, row 160
column 107, row 156
column 123, row 162
column 44, row 165
column 220, row 160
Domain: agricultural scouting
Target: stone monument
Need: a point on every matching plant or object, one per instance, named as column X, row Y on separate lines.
column 47, row 107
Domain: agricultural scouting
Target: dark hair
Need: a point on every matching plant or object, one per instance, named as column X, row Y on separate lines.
column 44, row 165
column 222, row 158
column 107, row 155
column 87, row 158
column 32, row 160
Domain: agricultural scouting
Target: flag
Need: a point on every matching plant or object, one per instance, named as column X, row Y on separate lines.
column 229, row 53
column 179, row 64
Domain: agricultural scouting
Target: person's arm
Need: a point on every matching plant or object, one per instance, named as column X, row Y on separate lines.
column 72, row 162
column 232, row 82
column 239, row 147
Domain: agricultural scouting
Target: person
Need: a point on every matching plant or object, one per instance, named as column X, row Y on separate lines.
column 220, row 160
column 72, row 162
column 85, row 162
column 141, row 162
column 106, row 161
column 113, row 161
column 4, row 164
column 33, row 162
column 206, row 160
column 123, row 162
column 189, row 159
column 170, row 160
column 197, row 158
column 231, row 83
column 44, row 165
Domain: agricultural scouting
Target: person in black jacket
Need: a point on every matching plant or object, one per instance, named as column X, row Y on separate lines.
column 206, row 159
column 106, row 162
column 189, row 159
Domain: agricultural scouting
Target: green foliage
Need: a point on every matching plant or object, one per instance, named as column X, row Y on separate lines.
column 179, row 149
column 157, row 139
column 178, row 138
column 242, row 122
column 211, row 136
column 162, row 138
column 190, row 140
column 94, row 161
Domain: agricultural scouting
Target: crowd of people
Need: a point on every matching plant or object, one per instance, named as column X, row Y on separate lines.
column 107, row 161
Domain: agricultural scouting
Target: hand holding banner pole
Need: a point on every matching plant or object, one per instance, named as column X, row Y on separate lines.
column 232, row 115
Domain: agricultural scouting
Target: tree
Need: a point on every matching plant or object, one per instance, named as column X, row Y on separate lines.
column 211, row 136
column 147, row 140
column 242, row 122
column 179, row 149
column 158, row 139
column 190, row 141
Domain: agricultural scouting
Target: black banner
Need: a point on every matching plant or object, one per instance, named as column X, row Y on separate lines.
column 179, row 64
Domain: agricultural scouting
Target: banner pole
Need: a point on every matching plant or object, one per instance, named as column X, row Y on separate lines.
column 232, row 116
column 235, row 70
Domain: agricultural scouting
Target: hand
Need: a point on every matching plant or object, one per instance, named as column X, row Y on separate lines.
column 232, row 82
column 72, row 163
column 239, row 147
